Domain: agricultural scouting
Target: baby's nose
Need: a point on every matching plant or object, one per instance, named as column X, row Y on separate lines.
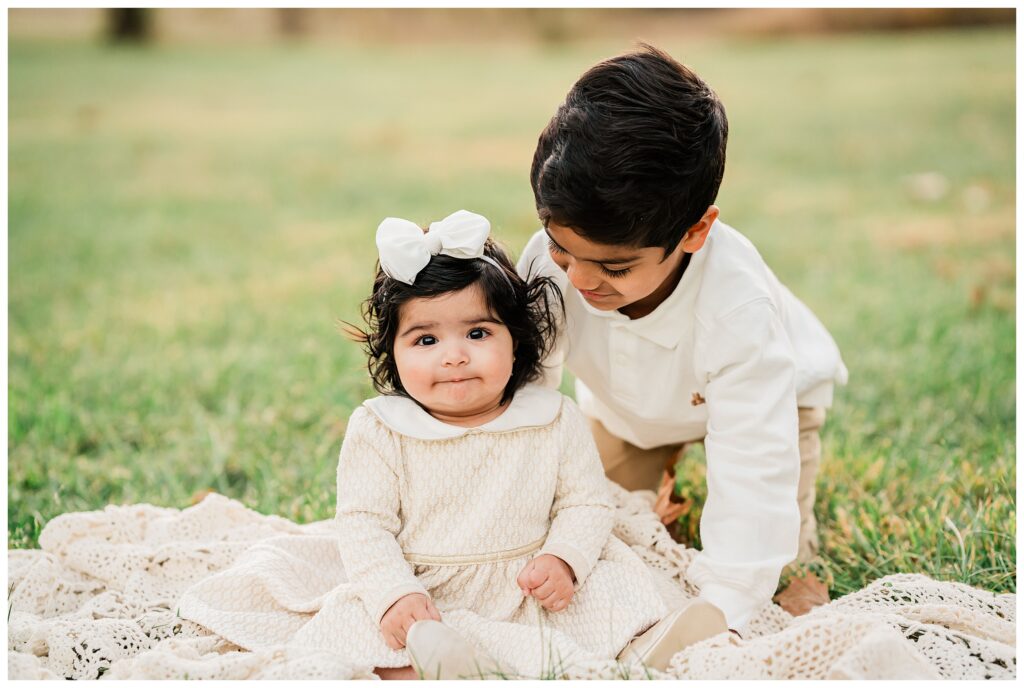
column 455, row 355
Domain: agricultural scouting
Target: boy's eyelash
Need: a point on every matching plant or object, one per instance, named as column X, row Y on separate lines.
column 611, row 273
column 555, row 247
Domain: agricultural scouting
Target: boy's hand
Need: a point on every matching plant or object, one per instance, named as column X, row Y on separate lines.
column 668, row 506
column 549, row 579
column 404, row 613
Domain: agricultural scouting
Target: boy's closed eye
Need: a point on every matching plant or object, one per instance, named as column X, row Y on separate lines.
column 552, row 246
column 610, row 272
column 614, row 273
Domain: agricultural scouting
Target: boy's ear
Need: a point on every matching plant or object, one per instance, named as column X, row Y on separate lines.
column 696, row 235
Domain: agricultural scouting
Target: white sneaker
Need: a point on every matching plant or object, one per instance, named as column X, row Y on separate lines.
column 438, row 652
column 695, row 621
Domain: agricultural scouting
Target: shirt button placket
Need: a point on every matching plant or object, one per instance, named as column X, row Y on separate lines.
column 620, row 346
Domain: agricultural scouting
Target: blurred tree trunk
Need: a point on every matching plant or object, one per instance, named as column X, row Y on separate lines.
column 129, row 25
column 291, row 21
column 550, row 24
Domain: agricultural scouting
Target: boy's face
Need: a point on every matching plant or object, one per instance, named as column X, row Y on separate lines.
column 612, row 277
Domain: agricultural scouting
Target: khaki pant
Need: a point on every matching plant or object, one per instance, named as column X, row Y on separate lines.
column 641, row 469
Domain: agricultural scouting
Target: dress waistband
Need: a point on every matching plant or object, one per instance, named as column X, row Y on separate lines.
column 485, row 558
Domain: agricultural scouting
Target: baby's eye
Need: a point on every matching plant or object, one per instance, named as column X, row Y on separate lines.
column 426, row 340
column 478, row 333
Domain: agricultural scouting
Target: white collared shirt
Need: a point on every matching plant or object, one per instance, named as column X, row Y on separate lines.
column 727, row 357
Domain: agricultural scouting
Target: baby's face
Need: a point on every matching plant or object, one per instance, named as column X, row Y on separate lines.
column 452, row 355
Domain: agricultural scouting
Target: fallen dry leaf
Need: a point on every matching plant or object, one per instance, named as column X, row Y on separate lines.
column 200, row 496
column 803, row 594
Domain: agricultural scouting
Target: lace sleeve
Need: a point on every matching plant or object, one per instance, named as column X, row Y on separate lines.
column 368, row 516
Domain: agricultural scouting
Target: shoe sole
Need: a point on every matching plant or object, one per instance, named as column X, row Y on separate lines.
column 697, row 621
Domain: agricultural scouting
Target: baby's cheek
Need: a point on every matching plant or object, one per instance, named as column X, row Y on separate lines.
column 413, row 371
column 508, row 368
column 499, row 365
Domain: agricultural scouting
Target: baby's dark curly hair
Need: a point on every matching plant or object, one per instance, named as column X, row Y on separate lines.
column 530, row 311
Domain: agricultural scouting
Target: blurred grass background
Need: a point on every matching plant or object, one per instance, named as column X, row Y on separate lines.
column 187, row 223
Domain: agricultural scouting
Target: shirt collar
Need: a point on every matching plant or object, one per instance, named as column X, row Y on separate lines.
column 532, row 406
column 662, row 325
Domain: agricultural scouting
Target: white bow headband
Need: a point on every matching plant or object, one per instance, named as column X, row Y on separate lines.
column 405, row 249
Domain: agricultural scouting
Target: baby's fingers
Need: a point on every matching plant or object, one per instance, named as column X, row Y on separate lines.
column 432, row 611
column 401, row 632
column 422, row 613
column 391, row 641
column 545, row 591
column 553, row 603
column 558, row 600
column 536, row 577
column 522, row 580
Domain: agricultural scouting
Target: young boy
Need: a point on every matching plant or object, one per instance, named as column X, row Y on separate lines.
column 675, row 328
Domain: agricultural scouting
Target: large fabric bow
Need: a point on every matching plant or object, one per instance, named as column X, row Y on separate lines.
column 405, row 249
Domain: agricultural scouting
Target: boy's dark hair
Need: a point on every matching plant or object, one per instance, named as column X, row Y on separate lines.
column 530, row 311
column 635, row 154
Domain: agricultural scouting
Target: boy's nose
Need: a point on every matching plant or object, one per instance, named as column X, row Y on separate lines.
column 580, row 278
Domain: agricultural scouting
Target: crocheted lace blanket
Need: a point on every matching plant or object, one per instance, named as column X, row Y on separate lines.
column 99, row 600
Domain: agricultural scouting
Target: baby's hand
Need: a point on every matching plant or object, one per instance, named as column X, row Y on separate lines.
column 404, row 613
column 549, row 579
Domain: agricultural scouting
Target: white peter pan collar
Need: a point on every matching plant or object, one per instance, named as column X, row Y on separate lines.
column 532, row 406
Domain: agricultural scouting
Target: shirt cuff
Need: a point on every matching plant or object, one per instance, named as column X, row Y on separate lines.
column 737, row 605
column 393, row 595
column 818, row 396
column 571, row 556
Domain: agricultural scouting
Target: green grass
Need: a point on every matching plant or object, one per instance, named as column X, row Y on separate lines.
column 187, row 225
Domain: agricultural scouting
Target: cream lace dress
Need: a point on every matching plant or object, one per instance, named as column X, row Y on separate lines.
column 456, row 513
